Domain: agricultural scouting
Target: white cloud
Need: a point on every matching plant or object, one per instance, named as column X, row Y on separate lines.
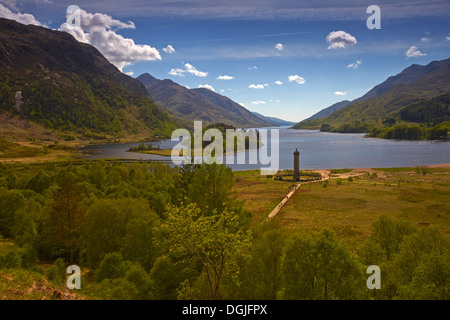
column 354, row 65
column 258, row 102
column 414, row 52
column 340, row 39
column 96, row 30
column 257, row 86
column 177, row 72
column 169, row 49
column 225, row 77
column 447, row 38
column 207, row 86
column 253, row 68
column 24, row 18
column 242, row 104
column 189, row 68
column 192, row 70
column 278, row 82
column 279, row 47
column 340, row 93
column 130, row 73
column 297, row 79
column 424, row 39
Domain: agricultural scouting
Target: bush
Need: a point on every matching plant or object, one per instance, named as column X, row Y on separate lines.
column 140, row 279
column 12, row 259
column 57, row 272
column 116, row 289
column 112, row 267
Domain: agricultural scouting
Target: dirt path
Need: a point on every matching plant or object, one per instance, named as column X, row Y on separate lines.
column 325, row 176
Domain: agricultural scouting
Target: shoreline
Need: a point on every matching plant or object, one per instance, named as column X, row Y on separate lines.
column 64, row 158
column 442, row 166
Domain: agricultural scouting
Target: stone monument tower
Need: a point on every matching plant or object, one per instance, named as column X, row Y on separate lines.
column 296, row 165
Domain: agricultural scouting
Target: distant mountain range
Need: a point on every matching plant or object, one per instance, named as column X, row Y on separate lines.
column 414, row 84
column 62, row 85
column 199, row 104
column 273, row 120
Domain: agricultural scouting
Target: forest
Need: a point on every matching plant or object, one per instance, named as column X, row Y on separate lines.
column 149, row 231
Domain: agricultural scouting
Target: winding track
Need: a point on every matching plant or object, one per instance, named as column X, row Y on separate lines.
column 290, row 194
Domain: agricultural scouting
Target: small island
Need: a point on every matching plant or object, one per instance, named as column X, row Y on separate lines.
column 151, row 149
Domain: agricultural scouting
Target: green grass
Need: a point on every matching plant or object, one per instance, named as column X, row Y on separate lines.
column 260, row 193
column 10, row 149
column 340, row 170
column 350, row 208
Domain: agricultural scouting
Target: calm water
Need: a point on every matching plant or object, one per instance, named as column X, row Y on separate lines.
column 319, row 150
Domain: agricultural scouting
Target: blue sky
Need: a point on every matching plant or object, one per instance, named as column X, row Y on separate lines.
column 286, row 58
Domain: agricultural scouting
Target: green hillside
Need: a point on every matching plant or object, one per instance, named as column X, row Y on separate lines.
column 51, row 79
column 415, row 84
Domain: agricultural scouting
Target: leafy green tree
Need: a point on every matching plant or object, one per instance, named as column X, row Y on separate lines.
column 317, row 266
column 66, row 213
column 422, row 266
column 184, row 182
column 106, row 225
column 260, row 275
column 26, row 219
column 166, row 277
column 211, row 240
column 10, row 202
column 389, row 234
column 39, row 182
column 116, row 289
column 140, row 279
column 139, row 242
column 212, row 187
column 112, row 266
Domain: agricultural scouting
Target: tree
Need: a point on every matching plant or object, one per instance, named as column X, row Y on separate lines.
column 421, row 267
column 66, row 213
column 112, row 267
column 184, row 182
column 211, row 240
column 211, row 187
column 140, row 279
column 260, row 275
column 165, row 277
column 139, row 243
column 110, row 227
column 10, row 202
column 25, row 223
column 317, row 266
column 388, row 234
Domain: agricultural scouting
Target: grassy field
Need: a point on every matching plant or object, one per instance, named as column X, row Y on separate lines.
column 350, row 201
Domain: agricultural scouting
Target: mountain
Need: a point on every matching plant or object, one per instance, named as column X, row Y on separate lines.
column 199, row 104
column 49, row 78
column 327, row 111
column 414, row 84
column 273, row 120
